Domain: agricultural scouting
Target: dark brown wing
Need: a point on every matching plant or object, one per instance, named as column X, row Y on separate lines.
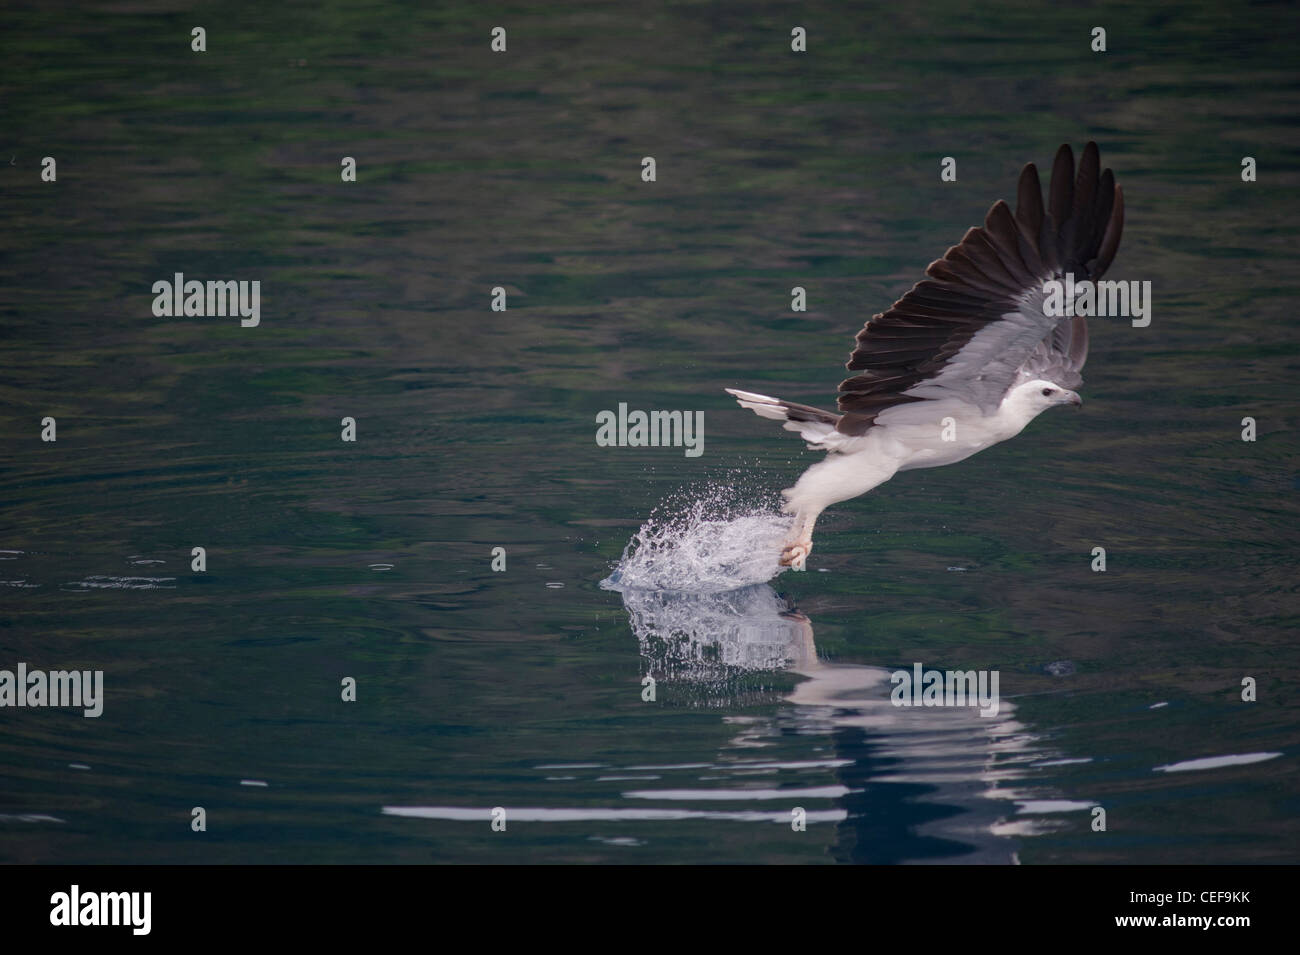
column 977, row 320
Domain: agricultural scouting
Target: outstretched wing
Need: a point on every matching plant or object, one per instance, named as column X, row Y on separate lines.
column 975, row 326
column 1060, row 356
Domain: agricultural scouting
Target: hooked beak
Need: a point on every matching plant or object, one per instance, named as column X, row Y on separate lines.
column 1076, row 400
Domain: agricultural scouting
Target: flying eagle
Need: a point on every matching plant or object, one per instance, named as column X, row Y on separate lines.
column 969, row 355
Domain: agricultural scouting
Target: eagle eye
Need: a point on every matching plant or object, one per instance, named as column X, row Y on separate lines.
column 1048, row 391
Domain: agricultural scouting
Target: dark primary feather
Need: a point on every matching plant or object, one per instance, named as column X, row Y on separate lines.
column 797, row 412
column 983, row 280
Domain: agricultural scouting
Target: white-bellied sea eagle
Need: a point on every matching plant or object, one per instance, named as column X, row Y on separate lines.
column 969, row 355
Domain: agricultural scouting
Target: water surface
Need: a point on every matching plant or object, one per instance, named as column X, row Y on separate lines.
column 523, row 689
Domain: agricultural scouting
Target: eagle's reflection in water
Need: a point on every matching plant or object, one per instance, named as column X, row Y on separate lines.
column 921, row 784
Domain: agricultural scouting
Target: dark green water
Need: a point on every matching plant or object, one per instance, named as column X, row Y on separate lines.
column 476, row 430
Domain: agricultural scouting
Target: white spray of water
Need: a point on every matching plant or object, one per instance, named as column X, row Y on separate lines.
column 709, row 638
column 711, row 545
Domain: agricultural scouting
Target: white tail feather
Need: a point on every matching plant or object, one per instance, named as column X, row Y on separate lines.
column 764, row 406
column 820, row 435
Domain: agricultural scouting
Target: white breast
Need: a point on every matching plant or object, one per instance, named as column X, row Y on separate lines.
column 930, row 434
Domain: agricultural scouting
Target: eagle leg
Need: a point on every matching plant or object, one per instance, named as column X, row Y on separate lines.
column 798, row 543
column 795, row 556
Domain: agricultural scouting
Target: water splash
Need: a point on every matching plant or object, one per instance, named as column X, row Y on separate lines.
column 710, row 543
column 710, row 642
